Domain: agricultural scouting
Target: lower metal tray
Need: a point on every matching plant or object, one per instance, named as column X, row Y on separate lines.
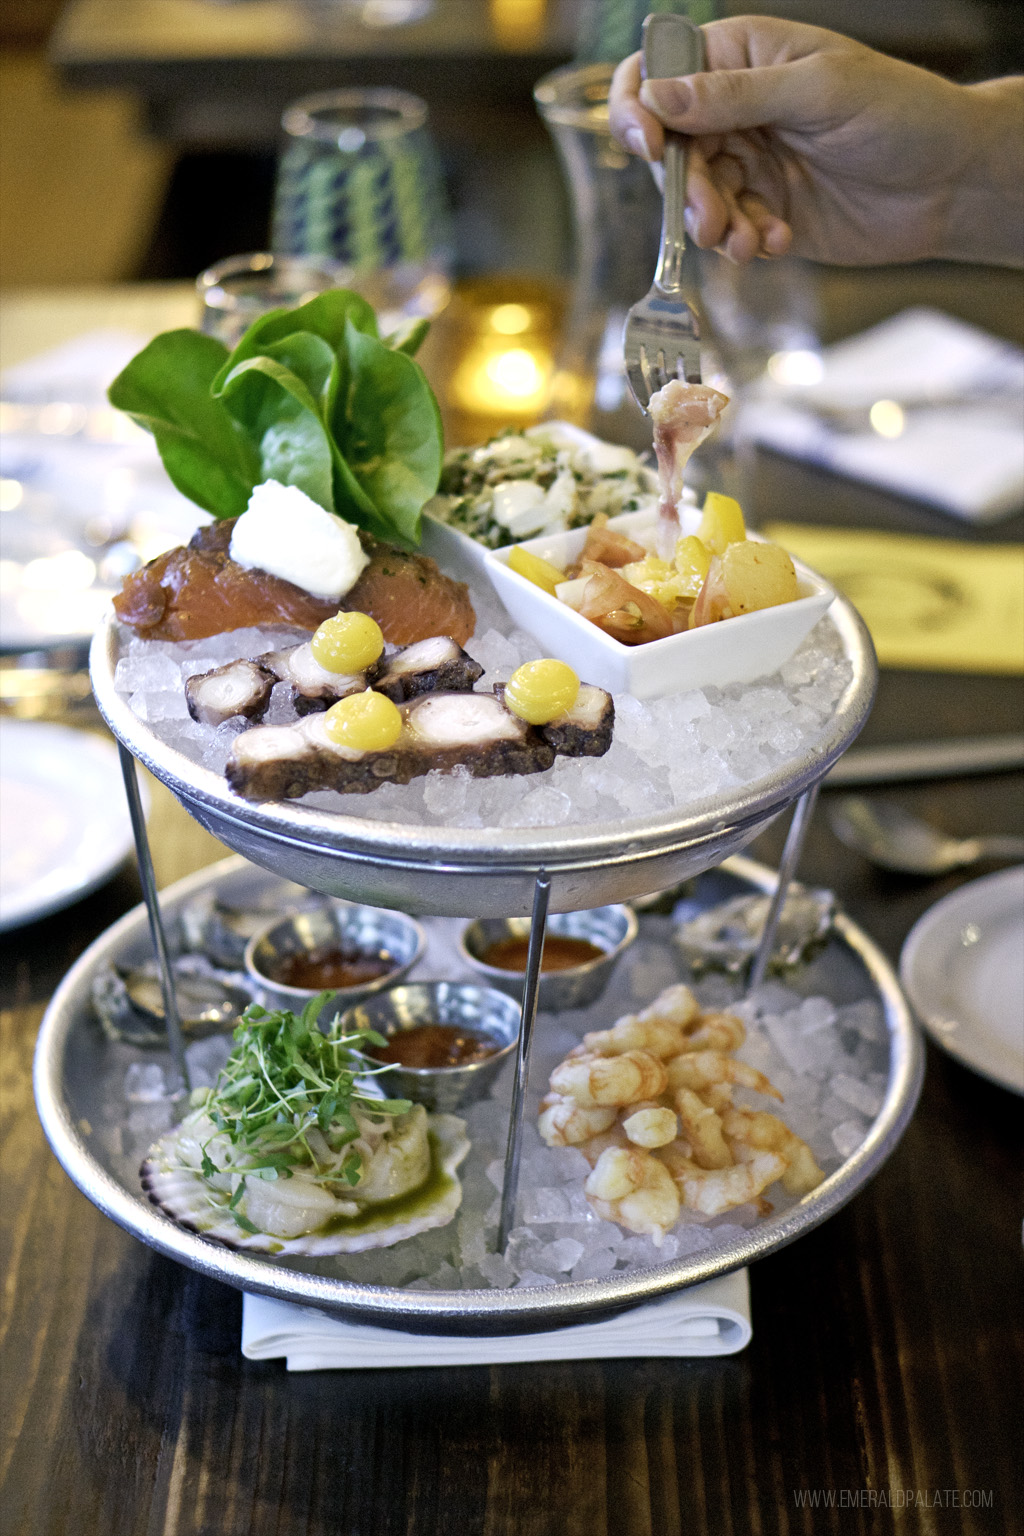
column 79, row 1076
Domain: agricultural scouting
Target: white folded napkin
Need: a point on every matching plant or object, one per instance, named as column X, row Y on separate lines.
column 962, row 443
column 708, row 1319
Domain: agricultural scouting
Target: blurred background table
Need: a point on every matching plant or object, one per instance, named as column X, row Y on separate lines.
column 888, row 1346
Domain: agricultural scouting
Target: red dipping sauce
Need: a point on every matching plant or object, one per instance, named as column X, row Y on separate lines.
column 331, row 966
column 434, row 1045
column 561, row 953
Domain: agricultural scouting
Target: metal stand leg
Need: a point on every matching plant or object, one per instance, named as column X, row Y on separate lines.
column 175, row 1038
column 513, row 1150
column 787, row 869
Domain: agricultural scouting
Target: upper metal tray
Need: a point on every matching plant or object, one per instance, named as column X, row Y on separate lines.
column 79, row 1077
column 461, row 872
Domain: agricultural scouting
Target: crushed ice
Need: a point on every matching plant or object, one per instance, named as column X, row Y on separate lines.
column 829, row 1061
column 666, row 753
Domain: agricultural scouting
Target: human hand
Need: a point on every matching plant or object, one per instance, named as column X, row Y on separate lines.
column 806, row 140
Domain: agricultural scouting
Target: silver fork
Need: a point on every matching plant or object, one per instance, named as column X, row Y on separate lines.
column 661, row 340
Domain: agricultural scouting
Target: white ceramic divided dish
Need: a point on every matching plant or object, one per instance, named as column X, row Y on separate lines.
column 716, row 655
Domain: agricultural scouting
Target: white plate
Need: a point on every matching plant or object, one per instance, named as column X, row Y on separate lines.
column 64, row 825
column 716, row 655
column 963, row 970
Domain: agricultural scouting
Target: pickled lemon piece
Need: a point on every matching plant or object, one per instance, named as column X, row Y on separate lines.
column 367, row 722
column 349, row 642
column 692, row 559
column 758, row 575
column 541, row 572
column 540, row 691
column 656, row 577
column 722, row 523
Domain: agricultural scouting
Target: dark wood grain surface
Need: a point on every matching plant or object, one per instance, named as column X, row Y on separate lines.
column 881, row 1392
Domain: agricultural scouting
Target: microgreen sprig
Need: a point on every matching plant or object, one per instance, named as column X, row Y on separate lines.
column 287, row 1078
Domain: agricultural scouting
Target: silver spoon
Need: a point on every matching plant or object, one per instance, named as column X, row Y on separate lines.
column 888, row 835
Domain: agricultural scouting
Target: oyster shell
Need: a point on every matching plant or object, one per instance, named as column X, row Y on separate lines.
column 182, row 1192
column 725, row 937
column 221, row 929
column 130, row 1002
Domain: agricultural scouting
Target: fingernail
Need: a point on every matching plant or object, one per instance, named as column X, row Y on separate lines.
column 637, row 144
column 690, row 220
column 669, row 98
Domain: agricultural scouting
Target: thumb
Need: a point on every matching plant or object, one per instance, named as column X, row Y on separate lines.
column 730, row 100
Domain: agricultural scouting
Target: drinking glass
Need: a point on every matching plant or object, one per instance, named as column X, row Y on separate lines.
column 359, row 185
column 236, row 291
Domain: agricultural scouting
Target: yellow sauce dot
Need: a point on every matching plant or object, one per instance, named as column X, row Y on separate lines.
column 540, row 691
column 367, row 722
column 350, row 642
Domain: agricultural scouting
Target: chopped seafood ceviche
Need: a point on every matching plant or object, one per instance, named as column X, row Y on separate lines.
column 770, row 1093
column 546, row 479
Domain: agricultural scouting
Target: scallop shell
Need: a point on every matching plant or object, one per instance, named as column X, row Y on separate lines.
column 184, row 1195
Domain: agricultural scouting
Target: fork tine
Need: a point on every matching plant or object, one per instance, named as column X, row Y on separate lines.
column 661, row 339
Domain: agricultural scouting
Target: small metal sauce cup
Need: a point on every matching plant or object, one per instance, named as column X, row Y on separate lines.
column 366, row 929
column 475, row 1010
column 612, row 929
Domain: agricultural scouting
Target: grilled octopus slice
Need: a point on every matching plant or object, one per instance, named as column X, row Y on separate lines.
column 473, row 731
column 239, row 688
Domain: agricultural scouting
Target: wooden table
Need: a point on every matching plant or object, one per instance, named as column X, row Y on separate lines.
column 883, row 1381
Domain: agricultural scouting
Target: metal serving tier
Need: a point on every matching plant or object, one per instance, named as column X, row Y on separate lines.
column 79, row 1077
column 461, row 872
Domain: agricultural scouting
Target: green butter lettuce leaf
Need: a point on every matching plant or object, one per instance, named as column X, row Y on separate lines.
column 387, row 426
column 325, row 316
column 312, row 360
column 281, row 417
column 310, row 397
column 206, row 452
column 408, row 337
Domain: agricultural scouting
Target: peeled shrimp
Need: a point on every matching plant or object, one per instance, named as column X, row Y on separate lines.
column 615, row 1136
column 714, row 1190
column 610, row 1079
column 565, row 1123
column 651, row 1125
column 634, row 1189
column 750, row 1132
column 703, row 1130
column 659, row 1030
column 715, row 1032
column 702, row 1070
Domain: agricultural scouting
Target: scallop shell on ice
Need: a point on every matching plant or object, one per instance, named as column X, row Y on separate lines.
column 183, row 1194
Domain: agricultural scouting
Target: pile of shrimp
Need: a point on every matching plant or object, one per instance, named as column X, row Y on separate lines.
column 649, row 1103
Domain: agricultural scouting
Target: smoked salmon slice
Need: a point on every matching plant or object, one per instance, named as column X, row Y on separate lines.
column 197, row 590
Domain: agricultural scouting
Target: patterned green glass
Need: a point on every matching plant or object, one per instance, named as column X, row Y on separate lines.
column 359, row 183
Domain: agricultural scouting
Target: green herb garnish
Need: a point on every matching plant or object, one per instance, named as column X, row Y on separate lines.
column 312, row 397
column 286, row 1079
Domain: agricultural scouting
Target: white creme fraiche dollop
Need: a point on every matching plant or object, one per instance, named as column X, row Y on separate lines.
column 284, row 532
